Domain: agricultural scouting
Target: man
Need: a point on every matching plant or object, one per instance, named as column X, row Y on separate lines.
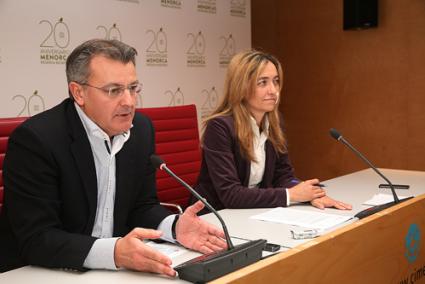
column 79, row 185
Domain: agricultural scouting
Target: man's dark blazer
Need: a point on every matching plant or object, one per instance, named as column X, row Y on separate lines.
column 50, row 190
column 224, row 176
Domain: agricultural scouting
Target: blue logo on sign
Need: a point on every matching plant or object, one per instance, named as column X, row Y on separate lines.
column 412, row 243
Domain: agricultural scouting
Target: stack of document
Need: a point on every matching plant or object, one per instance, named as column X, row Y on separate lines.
column 307, row 219
column 381, row 198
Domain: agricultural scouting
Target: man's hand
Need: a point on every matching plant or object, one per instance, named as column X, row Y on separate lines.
column 197, row 234
column 326, row 201
column 132, row 253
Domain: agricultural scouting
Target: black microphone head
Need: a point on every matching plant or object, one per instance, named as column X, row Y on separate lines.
column 335, row 134
column 156, row 161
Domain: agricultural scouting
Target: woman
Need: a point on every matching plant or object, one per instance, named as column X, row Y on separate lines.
column 245, row 162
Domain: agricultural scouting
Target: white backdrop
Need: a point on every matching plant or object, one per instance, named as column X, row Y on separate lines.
column 184, row 47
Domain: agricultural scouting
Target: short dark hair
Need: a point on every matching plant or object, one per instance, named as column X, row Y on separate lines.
column 77, row 63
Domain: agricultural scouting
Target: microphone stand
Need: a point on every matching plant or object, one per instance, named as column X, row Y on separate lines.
column 372, row 210
column 199, row 197
column 208, row 267
column 396, row 200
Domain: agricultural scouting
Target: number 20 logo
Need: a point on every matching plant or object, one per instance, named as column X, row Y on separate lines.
column 228, row 47
column 177, row 97
column 158, row 42
column 34, row 104
column 211, row 98
column 58, row 34
column 198, row 44
column 111, row 33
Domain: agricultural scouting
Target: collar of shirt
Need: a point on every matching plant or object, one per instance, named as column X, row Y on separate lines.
column 94, row 131
column 260, row 138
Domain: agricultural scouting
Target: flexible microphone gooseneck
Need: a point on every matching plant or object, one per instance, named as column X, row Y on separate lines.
column 337, row 136
column 208, row 267
column 160, row 164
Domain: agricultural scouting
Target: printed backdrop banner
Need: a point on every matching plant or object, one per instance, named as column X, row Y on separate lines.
column 184, row 47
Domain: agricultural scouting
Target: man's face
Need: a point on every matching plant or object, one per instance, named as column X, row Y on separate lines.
column 113, row 115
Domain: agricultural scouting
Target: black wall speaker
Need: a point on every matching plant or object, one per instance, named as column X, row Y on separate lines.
column 360, row 14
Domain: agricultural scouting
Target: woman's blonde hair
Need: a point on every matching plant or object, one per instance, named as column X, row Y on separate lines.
column 240, row 83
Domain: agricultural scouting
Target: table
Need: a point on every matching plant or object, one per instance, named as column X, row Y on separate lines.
column 386, row 247
column 354, row 188
column 308, row 259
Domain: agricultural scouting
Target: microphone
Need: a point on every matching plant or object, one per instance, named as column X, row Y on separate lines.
column 208, row 267
column 337, row 136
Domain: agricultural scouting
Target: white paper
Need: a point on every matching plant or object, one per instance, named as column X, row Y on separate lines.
column 170, row 250
column 307, row 219
column 381, row 198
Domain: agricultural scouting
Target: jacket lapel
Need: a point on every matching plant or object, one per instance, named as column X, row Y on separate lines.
column 269, row 166
column 83, row 156
column 125, row 172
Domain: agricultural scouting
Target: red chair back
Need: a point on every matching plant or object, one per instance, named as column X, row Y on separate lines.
column 7, row 125
column 177, row 143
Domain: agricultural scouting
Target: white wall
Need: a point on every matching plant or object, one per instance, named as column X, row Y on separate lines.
column 184, row 47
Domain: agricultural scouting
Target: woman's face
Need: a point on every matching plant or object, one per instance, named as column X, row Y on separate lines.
column 266, row 93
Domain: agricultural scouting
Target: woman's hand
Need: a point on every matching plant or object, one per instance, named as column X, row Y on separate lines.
column 326, row 201
column 306, row 191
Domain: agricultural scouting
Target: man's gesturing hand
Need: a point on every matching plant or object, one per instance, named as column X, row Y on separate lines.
column 197, row 234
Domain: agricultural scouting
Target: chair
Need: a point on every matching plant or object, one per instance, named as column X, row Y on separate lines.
column 177, row 142
column 7, row 125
